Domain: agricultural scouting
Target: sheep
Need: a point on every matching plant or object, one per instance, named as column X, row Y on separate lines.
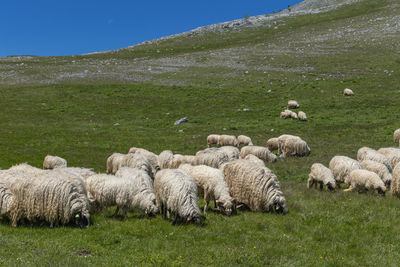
column 50, row 197
column 51, row 162
column 395, row 185
column 363, row 179
column 244, row 140
column 176, row 193
column 341, row 166
column 348, row 92
column 291, row 145
column 293, row 104
column 379, row 169
column 392, row 154
column 212, row 139
column 231, row 151
column 137, row 160
column 80, row 172
column 255, row 159
column 289, row 114
column 114, row 162
column 179, row 159
column 153, row 158
column 258, row 151
column 211, row 184
column 26, row 168
column 272, row 144
column 165, row 158
column 365, row 153
column 109, row 190
column 227, row 140
column 302, row 116
column 396, row 136
column 255, row 186
column 319, row 174
column 213, row 157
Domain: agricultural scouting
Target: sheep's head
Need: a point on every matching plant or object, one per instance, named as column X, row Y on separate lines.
column 279, row 207
column 82, row 218
column 197, row 219
column 226, row 206
column 381, row 190
column 331, row 185
column 388, row 182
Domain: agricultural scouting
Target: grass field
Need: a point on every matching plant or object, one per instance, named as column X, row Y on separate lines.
column 85, row 121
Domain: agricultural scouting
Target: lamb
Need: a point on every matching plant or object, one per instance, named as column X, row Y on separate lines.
column 258, row 151
column 211, row 184
column 137, row 160
column 244, row 140
column 293, row 104
column 179, row 159
column 348, row 92
column 109, row 190
column 176, row 193
column 255, row 159
column 392, row 154
column 341, row 166
column 395, row 185
column 396, row 136
column 227, row 140
column 165, row 158
column 291, row 145
column 365, row 153
column 153, row 158
column 51, row 162
column 272, row 144
column 321, row 175
column 302, row 116
column 212, row 139
column 213, row 157
column 114, row 162
column 255, row 186
column 365, row 180
column 231, row 151
column 379, row 169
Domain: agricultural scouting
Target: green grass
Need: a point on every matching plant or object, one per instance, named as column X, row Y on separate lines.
column 87, row 122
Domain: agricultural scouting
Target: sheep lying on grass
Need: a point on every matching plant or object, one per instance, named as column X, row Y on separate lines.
column 341, row 166
column 255, row 186
column 255, row 159
column 51, row 162
column 114, row 162
column 321, row 175
column 228, row 140
column 293, row 104
column 379, row 169
column 258, row 151
column 211, row 184
column 366, row 153
column 302, row 116
column 232, row 152
column 244, row 140
column 179, row 159
column 365, row 180
column 348, row 92
column 176, row 193
column 212, row 139
column 392, row 154
column 213, row 157
column 395, row 185
column 165, row 158
column 292, row 146
column 273, row 144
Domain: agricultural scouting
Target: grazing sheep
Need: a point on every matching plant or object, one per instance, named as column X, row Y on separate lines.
column 396, row 136
column 51, row 162
column 289, row 114
column 176, row 193
column 273, row 144
column 179, row 159
column 165, row 158
column 292, row 146
column 379, row 169
column 231, row 151
column 212, row 139
column 109, row 190
column 255, row 159
column 213, row 157
column 211, row 184
column 365, row 153
column 137, row 160
column 114, row 162
column 6, row 198
column 321, row 175
column 228, row 140
column 302, row 116
column 49, row 197
column 293, row 104
column 153, row 158
column 348, row 92
column 258, row 151
column 392, row 154
column 395, row 185
column 244, row 140
column 255, row 186
column 341, row 166
column 365, row 180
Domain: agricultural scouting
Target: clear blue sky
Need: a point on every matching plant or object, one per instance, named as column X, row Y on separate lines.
column 60, row 27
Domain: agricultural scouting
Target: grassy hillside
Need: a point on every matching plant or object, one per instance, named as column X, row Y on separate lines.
column 84, row 108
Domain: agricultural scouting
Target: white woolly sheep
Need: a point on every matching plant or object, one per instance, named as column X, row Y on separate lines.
column 293, row 104
column 302, row 116
column 365, row 180
column 348, row 92
column 396, row 136
column 213, row 157
column 255, row 159
column 292, row 146
column 114, row 162
column 153, row 158
column 212, row 139
column 165, row 158
column 51, row 162
column 319, row 174
column 273, row 144
column 395, row 184
column 365, row 153
column 255, row 186
column 211, row 184
column 244, row 140
column 258, row 151
column 179, row 159
column 341, row 166
column 137, row 160
column 227, row 140
column 176, row 193
column 379, row 169
column 231, row 151
column 80, row 172
column 109, row 190
column 392, row 154
column 285, row 114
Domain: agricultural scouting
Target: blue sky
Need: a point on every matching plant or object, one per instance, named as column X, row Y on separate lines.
column 58, row 27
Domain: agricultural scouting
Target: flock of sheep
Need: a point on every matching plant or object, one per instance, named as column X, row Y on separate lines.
column 140, row 180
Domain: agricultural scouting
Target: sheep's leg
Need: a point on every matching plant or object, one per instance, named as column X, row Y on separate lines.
column 351, row 188
column 321, row 185
column 116, row 212
column 124, row 211
column 176, row 219
column 207, row 202
column 310, row 183
column 315, row 185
